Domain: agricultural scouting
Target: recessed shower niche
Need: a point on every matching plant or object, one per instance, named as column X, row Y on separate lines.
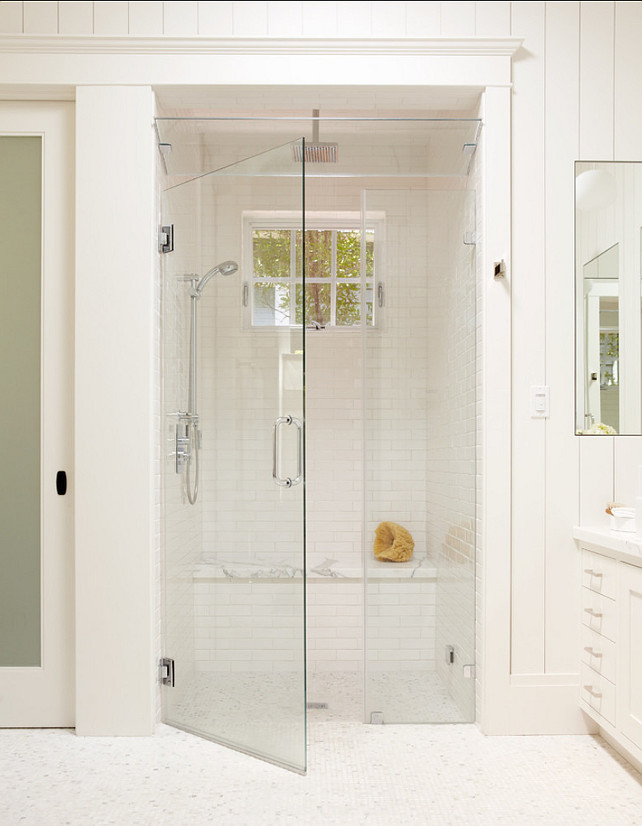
column 326, row 385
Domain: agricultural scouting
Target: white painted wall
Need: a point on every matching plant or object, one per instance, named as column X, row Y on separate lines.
column 114, row 447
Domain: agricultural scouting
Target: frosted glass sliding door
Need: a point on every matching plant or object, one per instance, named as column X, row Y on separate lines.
column 20, row 318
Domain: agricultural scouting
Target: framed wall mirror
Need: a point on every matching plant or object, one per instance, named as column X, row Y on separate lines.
column 608, row 298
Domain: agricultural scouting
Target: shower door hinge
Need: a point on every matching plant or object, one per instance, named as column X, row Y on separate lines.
column 166, row 238
column 166, row 672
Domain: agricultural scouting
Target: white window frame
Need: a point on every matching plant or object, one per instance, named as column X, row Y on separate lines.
column 328, row 220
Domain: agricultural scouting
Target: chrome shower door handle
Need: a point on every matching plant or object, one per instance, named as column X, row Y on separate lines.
column 299, row 451
column 287, row 482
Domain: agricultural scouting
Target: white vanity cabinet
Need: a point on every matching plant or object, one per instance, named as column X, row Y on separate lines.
column 611, row 636
column 629, row 675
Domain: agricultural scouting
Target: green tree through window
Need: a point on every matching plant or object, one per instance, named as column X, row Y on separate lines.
column 334, row 281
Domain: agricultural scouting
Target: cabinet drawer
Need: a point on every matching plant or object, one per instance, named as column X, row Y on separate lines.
column 599, row 613
column 599, row 653
column 599, row 573
column 597, row 692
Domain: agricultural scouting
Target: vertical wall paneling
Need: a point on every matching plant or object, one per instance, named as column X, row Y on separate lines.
column 628, row 460
column 388, row 19
column 285, row 19
column 628, row 70
column 250, row 19
column 146, row 18
column 11, row 17
column 596, row 479
column 320, row 19
column 114, row 604
column 627, row 131
column 355, row 19
column 180, row 18
column 492, row 19
column 40, row 18
column 562, row 495
column 216, row 19
column 111, row 18
column 596, row 81
column 458, row 19
column 529, row 326
column 75, row 18
column 423, row 19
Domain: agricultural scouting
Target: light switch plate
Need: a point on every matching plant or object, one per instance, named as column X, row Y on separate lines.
column 540, row 402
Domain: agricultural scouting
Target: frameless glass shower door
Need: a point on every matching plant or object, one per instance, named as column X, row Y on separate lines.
column 233, row 463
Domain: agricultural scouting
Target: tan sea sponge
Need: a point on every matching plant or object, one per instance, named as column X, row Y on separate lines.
column 393, row 543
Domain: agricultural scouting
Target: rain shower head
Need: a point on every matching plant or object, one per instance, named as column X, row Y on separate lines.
column 315, row 152
column 226, row 268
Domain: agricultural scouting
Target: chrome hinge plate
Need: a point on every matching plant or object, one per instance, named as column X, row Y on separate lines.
column 166, row 238
column 166, row 671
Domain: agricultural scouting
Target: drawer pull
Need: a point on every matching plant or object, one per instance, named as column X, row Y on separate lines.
column 591, row 572
column 593, row 692
column 593, row 613
column 592, row 652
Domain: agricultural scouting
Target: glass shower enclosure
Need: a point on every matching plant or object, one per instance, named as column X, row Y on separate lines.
column 356, row 280
column 233, row 462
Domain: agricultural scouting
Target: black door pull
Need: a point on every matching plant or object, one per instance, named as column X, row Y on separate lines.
column 61, row 483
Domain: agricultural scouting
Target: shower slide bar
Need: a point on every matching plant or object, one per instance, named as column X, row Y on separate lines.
column 287, row 482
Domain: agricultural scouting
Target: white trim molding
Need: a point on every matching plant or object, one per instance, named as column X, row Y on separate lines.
column 92, row 44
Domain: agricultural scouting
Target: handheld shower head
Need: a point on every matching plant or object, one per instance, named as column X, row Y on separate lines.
column 226, row 268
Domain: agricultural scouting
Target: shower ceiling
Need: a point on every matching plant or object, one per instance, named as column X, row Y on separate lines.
column 381, row 132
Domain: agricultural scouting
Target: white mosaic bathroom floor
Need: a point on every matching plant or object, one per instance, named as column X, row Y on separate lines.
column 358, row 774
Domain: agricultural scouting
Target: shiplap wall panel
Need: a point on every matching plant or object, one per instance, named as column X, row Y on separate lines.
column 354, row 19
column 216, row 19
column 250, row 19
column 180, row 18
column 11, row 17
column 387, row 20
column 146, row 18
column 320, row 19
column 40, row 18
column 529, row 363
column 596, row 479
column 285, row 19
column 596, row 81
column 423, row 19
column 628, row 461
column 562, row 449
column 458, row 19
column 628, row 71
column 111, row 18
column 75, row 18
column 494, row 19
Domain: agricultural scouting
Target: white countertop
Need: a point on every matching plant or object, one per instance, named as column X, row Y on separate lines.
column 627, row 547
